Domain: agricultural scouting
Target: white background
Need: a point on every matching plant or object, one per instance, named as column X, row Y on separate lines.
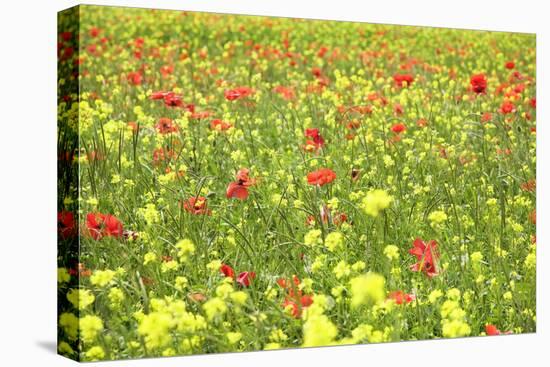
column 28, row 181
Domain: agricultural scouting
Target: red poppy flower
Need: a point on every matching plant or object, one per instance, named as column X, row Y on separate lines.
column 139, row 42
column 93, row 222
column 398, row 128
column 297, row 306
column 196, row 205
column 314, row 134
column 94, row 32
column 133, row 125
column 80, row 270
column 516, row 75
column 239, row 189
column 294, row 298
column 529, row 186
column 478, row 83
column 321, row 177
column 310, row 221
column 310, row 146
column 533, row 216
column 227, row 271
column 427, row 256
column 492, row 330
column 245, row 278
column 95, row 156
column 112, row 227
column 190, row 107
column 339, row 218
column 67, row 156
column 322, row 82
column 286, row 92
column 66, row 36
column 295, row 310
column 399, row 79
column 518, row 89
column 238, row 93
column 67, row 53
column 398, row 110
column 134, row 77
column 322, row 51
column 158, row 95
column 66, row 224
column 103, row 225
column 316, row 72
column 401, row 297
column 201, row 115
column 421, row 122
column 235, row 190
column 510, row 65
column 218, row 124
column 243, row 175
column 306, row 300
column 166, row 126
column 506, row 151
column 486, row 117
column 377, row 97
column 316, row 142
column 352, row 125
column 162, row 155
column 166, row 70
column 92, row 49
column 286, row 283
column 507, row 107
column 173, row 100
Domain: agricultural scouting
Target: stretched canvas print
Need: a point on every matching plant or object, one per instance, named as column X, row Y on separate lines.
column 235, row 183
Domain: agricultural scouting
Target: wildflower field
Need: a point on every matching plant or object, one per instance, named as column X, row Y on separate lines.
column 239, row 183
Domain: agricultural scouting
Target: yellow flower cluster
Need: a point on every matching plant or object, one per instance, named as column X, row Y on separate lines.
column 80, row 298
column 167, row 315
column 391, row 252
column 318, row 330
column 334, row 241
column 185, row 248
column 367, row 289
column 63, row 275
column 453, row 317
column 90, row 327
column 150, row 214
column 95, row 353
column 313, row 237
column 375, row 201
column 102, row 278
column 437, row 217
